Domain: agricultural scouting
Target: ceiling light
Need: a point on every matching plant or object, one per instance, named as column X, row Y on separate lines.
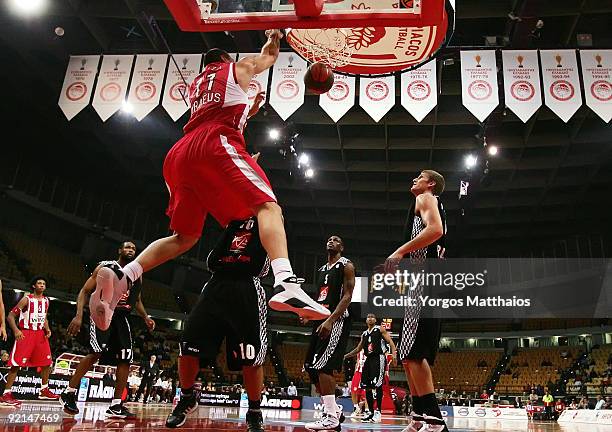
column 28, row 7
column 127, row 107
column 493, row 150
column 309, row 173
column 470, row 161
column 274, row 134
column 304, row 159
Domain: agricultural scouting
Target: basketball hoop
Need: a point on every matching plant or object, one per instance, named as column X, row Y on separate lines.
column 327, row 46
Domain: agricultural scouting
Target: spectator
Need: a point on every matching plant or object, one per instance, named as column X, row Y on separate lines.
column 573, row 405
column 517, row 402
column 4, row 359
column 583, row 404
column 559, row 407
column 150, row 372
column 533, row 397
column 133, row 384
column 600, row 403
column 292, row 389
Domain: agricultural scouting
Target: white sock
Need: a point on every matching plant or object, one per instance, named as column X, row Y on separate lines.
column 116, row 402
column 43, row 386
column 133, row 270
column 329, row 402
column 281, row 267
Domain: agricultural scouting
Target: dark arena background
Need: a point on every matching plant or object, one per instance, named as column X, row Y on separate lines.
column 89, row 116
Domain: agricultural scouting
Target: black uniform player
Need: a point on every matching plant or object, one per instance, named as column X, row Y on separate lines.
column 325, row 355
column 232, row 306
column 375, row 342
column 112, row 346
column 420, row 337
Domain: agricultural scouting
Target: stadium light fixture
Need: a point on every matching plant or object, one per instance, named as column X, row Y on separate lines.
column 304, row 159
column 470, row 161
column 127, row 107
column 28, row 7
column 493, row 150
column 309, row 173
column 274, row 134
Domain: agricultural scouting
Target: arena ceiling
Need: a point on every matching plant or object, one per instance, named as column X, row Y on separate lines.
column 550, row 181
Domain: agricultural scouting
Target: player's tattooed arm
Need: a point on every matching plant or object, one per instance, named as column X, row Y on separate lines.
column 15, row 312
column 90, row 285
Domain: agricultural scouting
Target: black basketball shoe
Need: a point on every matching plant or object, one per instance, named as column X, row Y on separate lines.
column 186, row 405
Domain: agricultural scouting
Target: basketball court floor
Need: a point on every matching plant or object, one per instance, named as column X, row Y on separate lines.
column 152, row 417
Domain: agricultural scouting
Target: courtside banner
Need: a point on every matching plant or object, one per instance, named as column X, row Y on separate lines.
column 78, row 84
column 287, row 92
column 112, row 84
column 561, row 82
column 522, row 82
column 377, row 95
column 596, row 71
column 340, row 98
column 147, row 80
column 259, row 82
column 420, row 90
column 479, row 82
column 176, row 89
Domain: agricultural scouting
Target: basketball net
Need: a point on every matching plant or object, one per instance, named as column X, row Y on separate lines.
column 327, row 46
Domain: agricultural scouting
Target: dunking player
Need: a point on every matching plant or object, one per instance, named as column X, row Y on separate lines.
column 210, row 171
column 31, row 347
column 109, row 347
column 232, row 306
column 374, row 342
column 420, row 337
column 329, row 338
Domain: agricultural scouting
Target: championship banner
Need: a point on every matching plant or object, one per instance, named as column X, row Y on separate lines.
column 596, row 71
column 420, row 90
column 561, row 82
column 377, row 95
column 522, row 82
column 287, row 92
column 340, row 98
column 78, row 84
column 146, row 87
column 176, row 92
column 479, row 82
column 112, row 84
column 259, row 82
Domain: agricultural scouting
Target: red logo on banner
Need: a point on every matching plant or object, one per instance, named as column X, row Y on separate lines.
column 240, row 242
column 418, row 90
column 480, row 90
column 323, row 293
column 562, row 90
column 339, row 91
column 145, row 91
column 76, row 91
column 377, row 90
column 110, row 92
column 522, row 90
column 287, row 89
column 177, row 91
column 254, row 88
column 601, row 90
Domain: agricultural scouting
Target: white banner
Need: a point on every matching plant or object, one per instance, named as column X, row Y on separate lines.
column 377, row 95
column 176, row 92
column 112, row 84
column 288, row 84
column 596, row 71
column 561, row 82
column 420, row 90
column 78, row 84
column 147, row 80
column 522, row 82
column 479, row 82
column 340, row 98
column 259, row 82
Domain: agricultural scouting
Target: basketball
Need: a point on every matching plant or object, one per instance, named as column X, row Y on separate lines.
column 319, row 78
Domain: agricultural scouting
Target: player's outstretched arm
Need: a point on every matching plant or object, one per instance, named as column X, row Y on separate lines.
column 353, row 353
column 90, row 285
column 2, row 317
column 387, row 337
column 249, row 66
column 13, row 313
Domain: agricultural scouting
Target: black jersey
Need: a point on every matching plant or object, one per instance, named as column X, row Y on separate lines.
column 331, row 283
column 373, row 342
column 435, row 249
column 128, row 300
column 239, row 251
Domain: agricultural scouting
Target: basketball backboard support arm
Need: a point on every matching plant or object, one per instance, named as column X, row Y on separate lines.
column 198, row 16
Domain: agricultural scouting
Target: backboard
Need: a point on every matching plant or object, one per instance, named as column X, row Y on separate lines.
column 355, row 37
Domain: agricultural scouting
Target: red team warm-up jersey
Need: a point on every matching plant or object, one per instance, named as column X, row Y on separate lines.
column 216, row 97
column 33, row 315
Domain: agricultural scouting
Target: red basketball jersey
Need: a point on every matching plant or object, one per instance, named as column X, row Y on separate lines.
column 360, row 361
column 216, row 97
column 33, row 315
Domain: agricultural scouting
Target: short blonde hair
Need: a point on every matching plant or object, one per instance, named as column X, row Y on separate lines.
column 438, row 179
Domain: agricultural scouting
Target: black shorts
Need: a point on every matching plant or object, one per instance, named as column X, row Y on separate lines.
column 426, row 341
column 327, row 355
column 373, row 372
column 232, row 308
column 115, row 343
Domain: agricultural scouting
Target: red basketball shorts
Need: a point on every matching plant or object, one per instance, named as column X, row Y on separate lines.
column 210, row 171
column 355, row 385
column 31, row 351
